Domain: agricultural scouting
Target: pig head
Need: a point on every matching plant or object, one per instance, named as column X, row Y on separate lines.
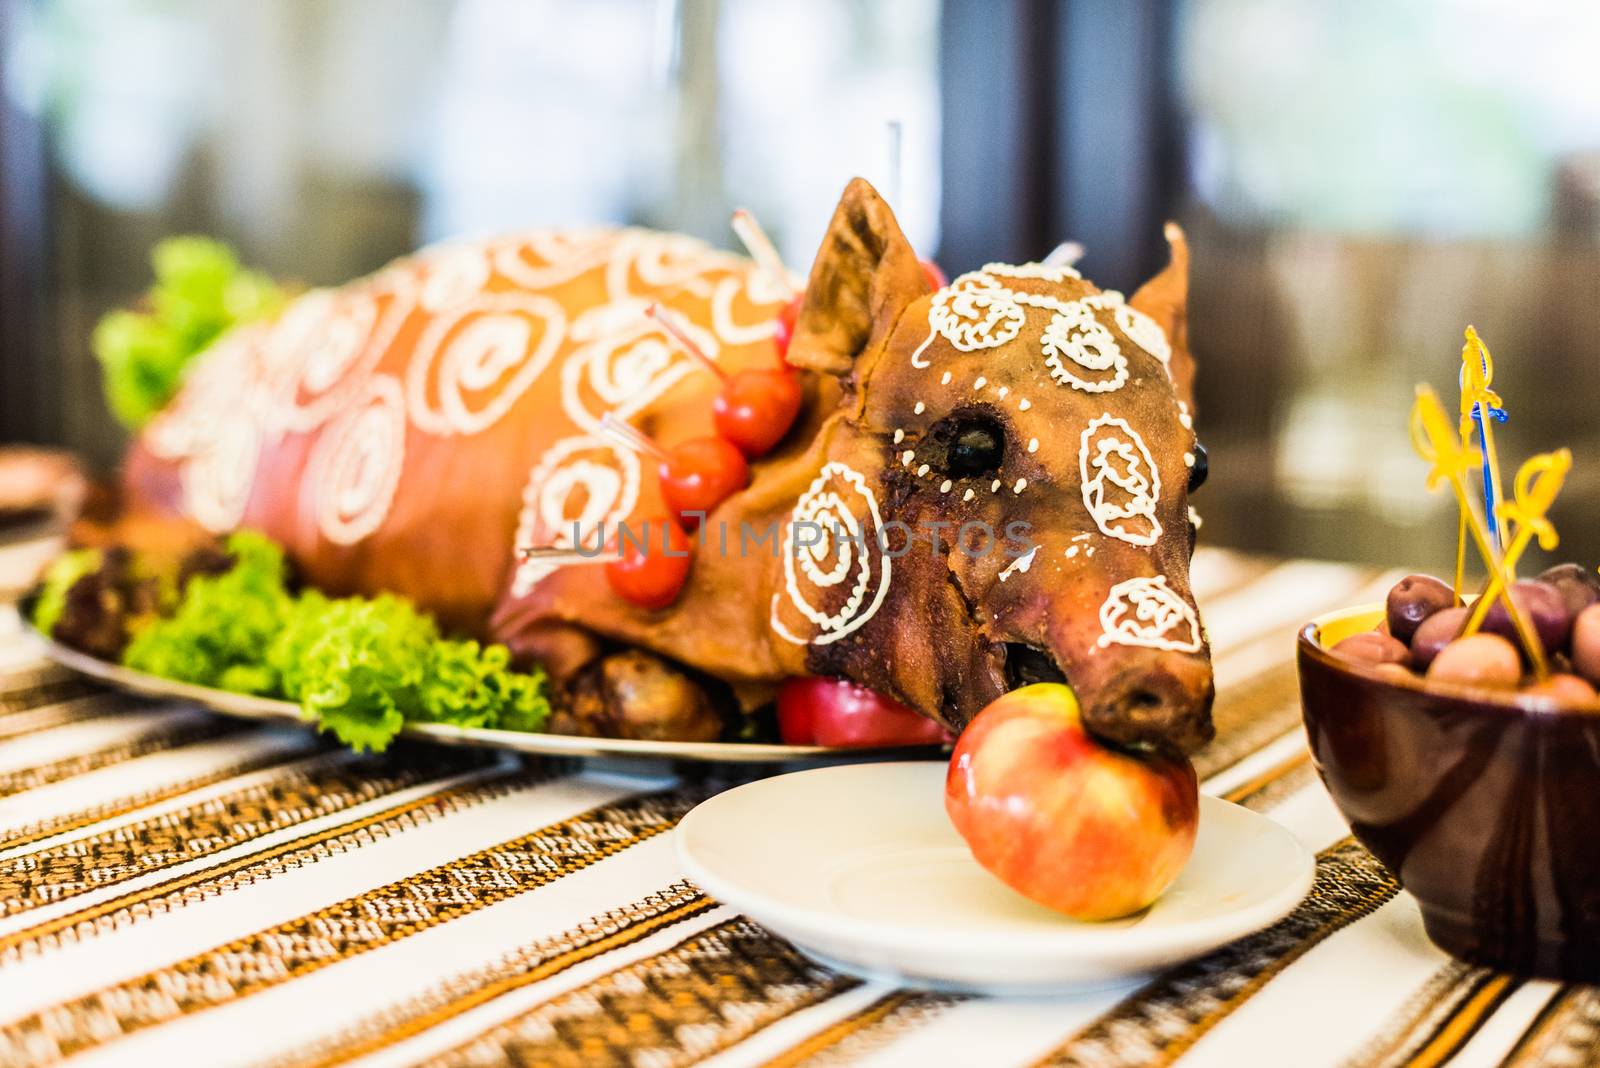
column 1022, row 444
column 988, row 486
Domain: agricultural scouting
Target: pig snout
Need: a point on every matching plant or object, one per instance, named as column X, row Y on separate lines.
column 1156, row 698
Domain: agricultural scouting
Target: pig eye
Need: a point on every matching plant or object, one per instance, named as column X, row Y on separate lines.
column 1201, row 468
column 977, row 445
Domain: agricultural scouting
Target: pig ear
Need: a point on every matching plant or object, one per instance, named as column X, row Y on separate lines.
column 1165, row 298
column 865, row 275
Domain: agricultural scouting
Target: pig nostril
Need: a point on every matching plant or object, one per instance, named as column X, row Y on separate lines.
column 1144, row 700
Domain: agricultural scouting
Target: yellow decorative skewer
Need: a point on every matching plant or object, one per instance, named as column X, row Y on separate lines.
column 1437, row 443
column 1538, row 482
column 1478, row 405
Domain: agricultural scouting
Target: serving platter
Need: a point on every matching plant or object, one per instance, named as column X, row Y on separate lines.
column 245, row 706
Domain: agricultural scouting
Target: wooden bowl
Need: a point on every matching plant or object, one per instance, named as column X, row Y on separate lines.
column 1484, row 805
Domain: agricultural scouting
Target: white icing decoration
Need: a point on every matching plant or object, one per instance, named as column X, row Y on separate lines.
column 1033, row 444
column 967, row 496
column 1074, row 343
column 1121, row 483
column 318, row 354
column 1020, row 564
column 625, row 362
column 899, row 435
column 1194, row 518
column 543, row 259
column 1146, row 611
column 839, row 498
column 1049, row 272
column 213, row 431
column 355, row 467
column 1143, row 331
column 944, row 487
column 722, row 321
column 588, row 480
column 1021, row 485
column 452, row 274
column 973, row 318
column 473, row 362
column 217, row 483
column 919, row 409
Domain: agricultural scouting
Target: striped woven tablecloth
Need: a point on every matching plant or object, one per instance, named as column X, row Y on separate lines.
column 179, row 888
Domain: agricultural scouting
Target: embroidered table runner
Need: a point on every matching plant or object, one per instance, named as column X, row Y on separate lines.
column 181, row 888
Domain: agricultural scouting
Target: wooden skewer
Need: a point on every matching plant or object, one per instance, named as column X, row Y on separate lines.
column 762, row 250
column 1065, row 254
column 631, row 437
column 549, row 554
column 896, row 137
column 678, row 334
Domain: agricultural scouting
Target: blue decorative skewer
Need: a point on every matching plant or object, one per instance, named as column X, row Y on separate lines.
column 1498, row 415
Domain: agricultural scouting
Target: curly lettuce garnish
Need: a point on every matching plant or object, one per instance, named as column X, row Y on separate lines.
column 222, row 623
column 362, row 668
column 200, row 291
column 359, row 667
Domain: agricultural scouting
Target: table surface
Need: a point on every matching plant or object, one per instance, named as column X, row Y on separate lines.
column 180, row 888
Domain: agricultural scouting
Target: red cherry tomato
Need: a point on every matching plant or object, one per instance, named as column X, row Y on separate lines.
column 700, row 474
column 934, row 275
column 783, row 332
column 651, row 576
column 756, row 408
column 840, row 713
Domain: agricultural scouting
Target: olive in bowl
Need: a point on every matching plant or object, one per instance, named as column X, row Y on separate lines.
column 1480, row 799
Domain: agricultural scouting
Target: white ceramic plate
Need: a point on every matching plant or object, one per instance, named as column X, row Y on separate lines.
column 860, row 868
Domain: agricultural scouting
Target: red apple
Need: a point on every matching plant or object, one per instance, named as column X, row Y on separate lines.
column 1063, row 819
column 842, row 714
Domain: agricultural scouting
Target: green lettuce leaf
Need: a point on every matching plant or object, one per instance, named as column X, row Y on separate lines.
column 221, row 623
column 200, row 292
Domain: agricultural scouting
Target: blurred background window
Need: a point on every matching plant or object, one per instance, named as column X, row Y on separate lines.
column 1359, row 181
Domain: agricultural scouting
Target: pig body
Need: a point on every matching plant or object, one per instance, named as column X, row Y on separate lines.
column 414, row 431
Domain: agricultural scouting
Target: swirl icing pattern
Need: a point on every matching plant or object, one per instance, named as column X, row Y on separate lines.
column 582, row 484
column 319, row 352
column 1121, row 484
column 357, row 463
column 626, row 361
column 1148, row 612
column 213, row 431
column 475, row 360
column 840, row 511
column 1076, row 347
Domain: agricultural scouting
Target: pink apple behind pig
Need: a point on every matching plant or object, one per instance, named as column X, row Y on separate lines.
column 1073, row 824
